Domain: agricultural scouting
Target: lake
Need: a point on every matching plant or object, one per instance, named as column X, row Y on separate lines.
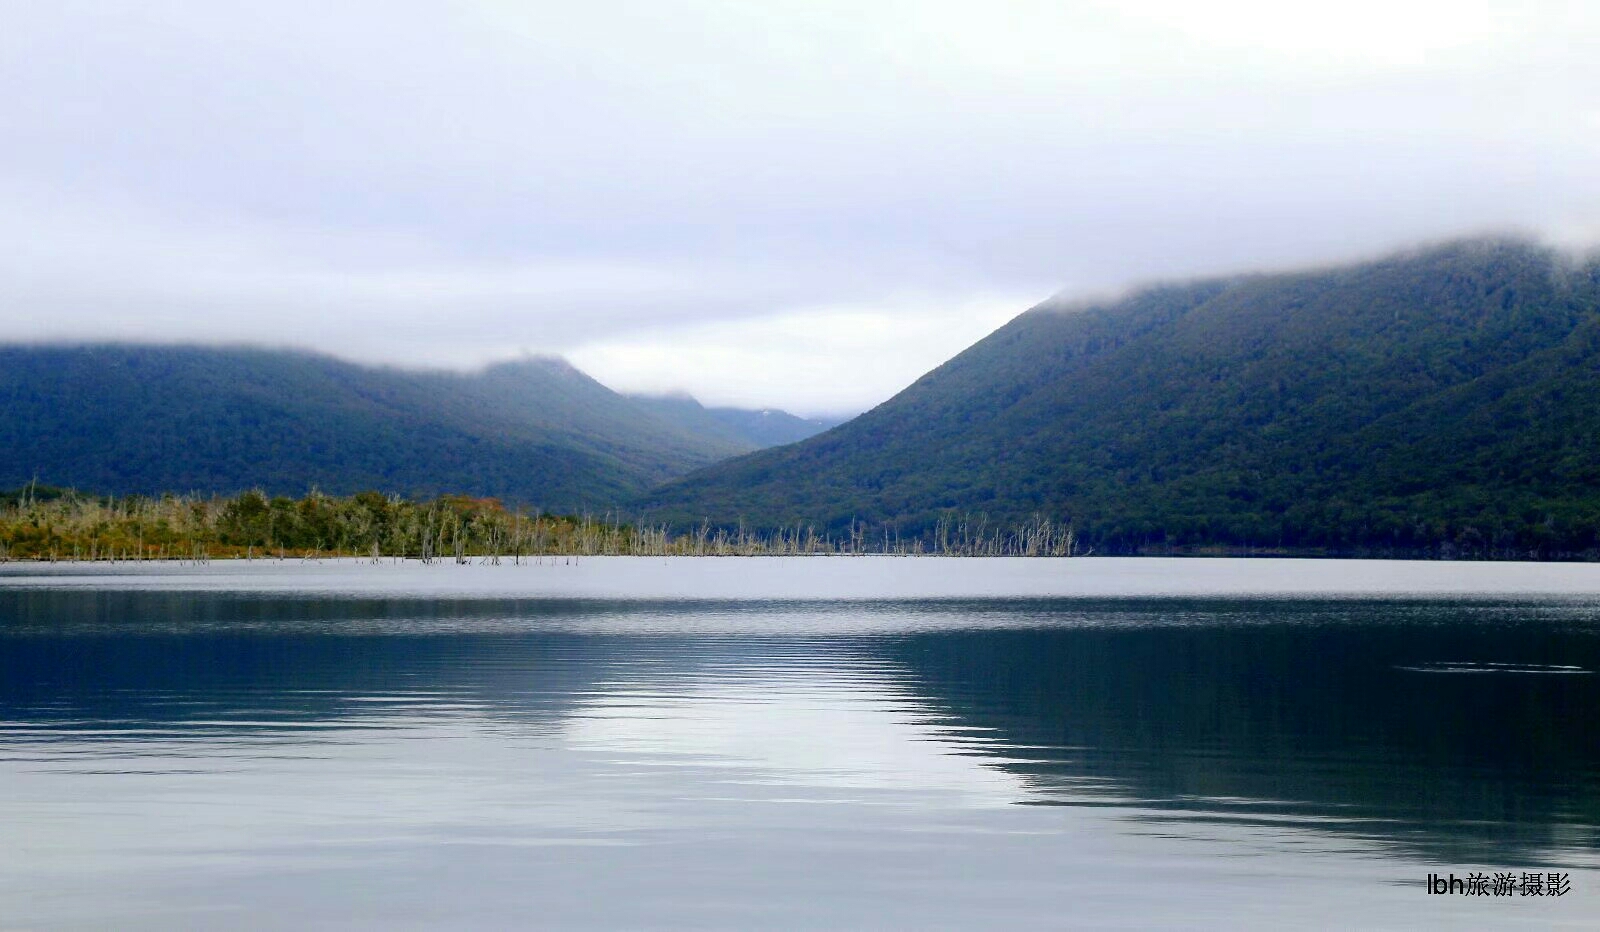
column 810, row 742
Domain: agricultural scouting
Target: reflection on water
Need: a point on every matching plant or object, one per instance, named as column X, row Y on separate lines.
column 1322, row 718
column 217, row 757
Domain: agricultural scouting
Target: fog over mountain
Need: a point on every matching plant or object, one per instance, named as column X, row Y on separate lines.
column 1441, row 401
column 120, row 419
column 793, row 204
column 767, row 427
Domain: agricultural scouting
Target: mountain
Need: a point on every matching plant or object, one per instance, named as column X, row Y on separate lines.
column 754, row 429
column 141, row 419
column 1445, row 400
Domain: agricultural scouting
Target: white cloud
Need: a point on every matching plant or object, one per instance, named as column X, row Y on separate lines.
column 800, row 727
column 1356, row 34
column 835, row 359
column 697, row 190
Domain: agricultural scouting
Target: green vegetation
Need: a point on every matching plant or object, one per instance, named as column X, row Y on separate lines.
column 1437, row 403
column 39, row 523
column 144, row 420
column 55, row 525
column 1444, row 402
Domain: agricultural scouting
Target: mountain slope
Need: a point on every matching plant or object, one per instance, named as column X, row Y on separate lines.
column 123, row 419
column 752, row 428
column 1447, row 398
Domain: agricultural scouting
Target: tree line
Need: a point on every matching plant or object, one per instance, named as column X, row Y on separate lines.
column 45, row 523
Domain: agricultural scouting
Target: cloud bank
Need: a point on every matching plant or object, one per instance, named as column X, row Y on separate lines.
column 801, row 204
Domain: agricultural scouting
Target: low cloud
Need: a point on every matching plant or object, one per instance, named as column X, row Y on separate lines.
column 833, row 360
column 790, row 203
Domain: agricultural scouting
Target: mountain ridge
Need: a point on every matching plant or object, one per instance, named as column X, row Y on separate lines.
column 125, row 418
column 763, row 427
column 1320, row 409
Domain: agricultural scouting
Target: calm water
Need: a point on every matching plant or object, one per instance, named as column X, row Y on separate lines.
column 859, row 742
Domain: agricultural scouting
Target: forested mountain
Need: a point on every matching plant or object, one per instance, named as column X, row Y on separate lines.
column 120, row 419
column 753, row 428
column 1439, row 400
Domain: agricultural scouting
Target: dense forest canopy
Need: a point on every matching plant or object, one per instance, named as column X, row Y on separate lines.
column 120, row 419
column 1443, row 401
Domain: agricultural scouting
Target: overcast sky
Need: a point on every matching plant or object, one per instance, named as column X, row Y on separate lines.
column 798, row 204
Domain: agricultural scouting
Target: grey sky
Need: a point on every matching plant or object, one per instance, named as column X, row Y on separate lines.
column 802, row 204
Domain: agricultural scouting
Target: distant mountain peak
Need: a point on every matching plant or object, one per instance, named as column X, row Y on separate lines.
column 673, row 396
column 122, row 419
column 541, row 363
column 756, row 428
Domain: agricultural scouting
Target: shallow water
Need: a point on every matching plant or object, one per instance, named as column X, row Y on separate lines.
column 812, row 742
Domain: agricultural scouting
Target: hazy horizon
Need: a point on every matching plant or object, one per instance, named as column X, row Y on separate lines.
column 1063, row 298
column 801, row 206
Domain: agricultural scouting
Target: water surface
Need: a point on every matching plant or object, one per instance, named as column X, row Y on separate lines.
column 812, row 742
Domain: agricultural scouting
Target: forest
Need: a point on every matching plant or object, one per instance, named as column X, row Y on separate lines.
column 52, row 524
column 1438, row 403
